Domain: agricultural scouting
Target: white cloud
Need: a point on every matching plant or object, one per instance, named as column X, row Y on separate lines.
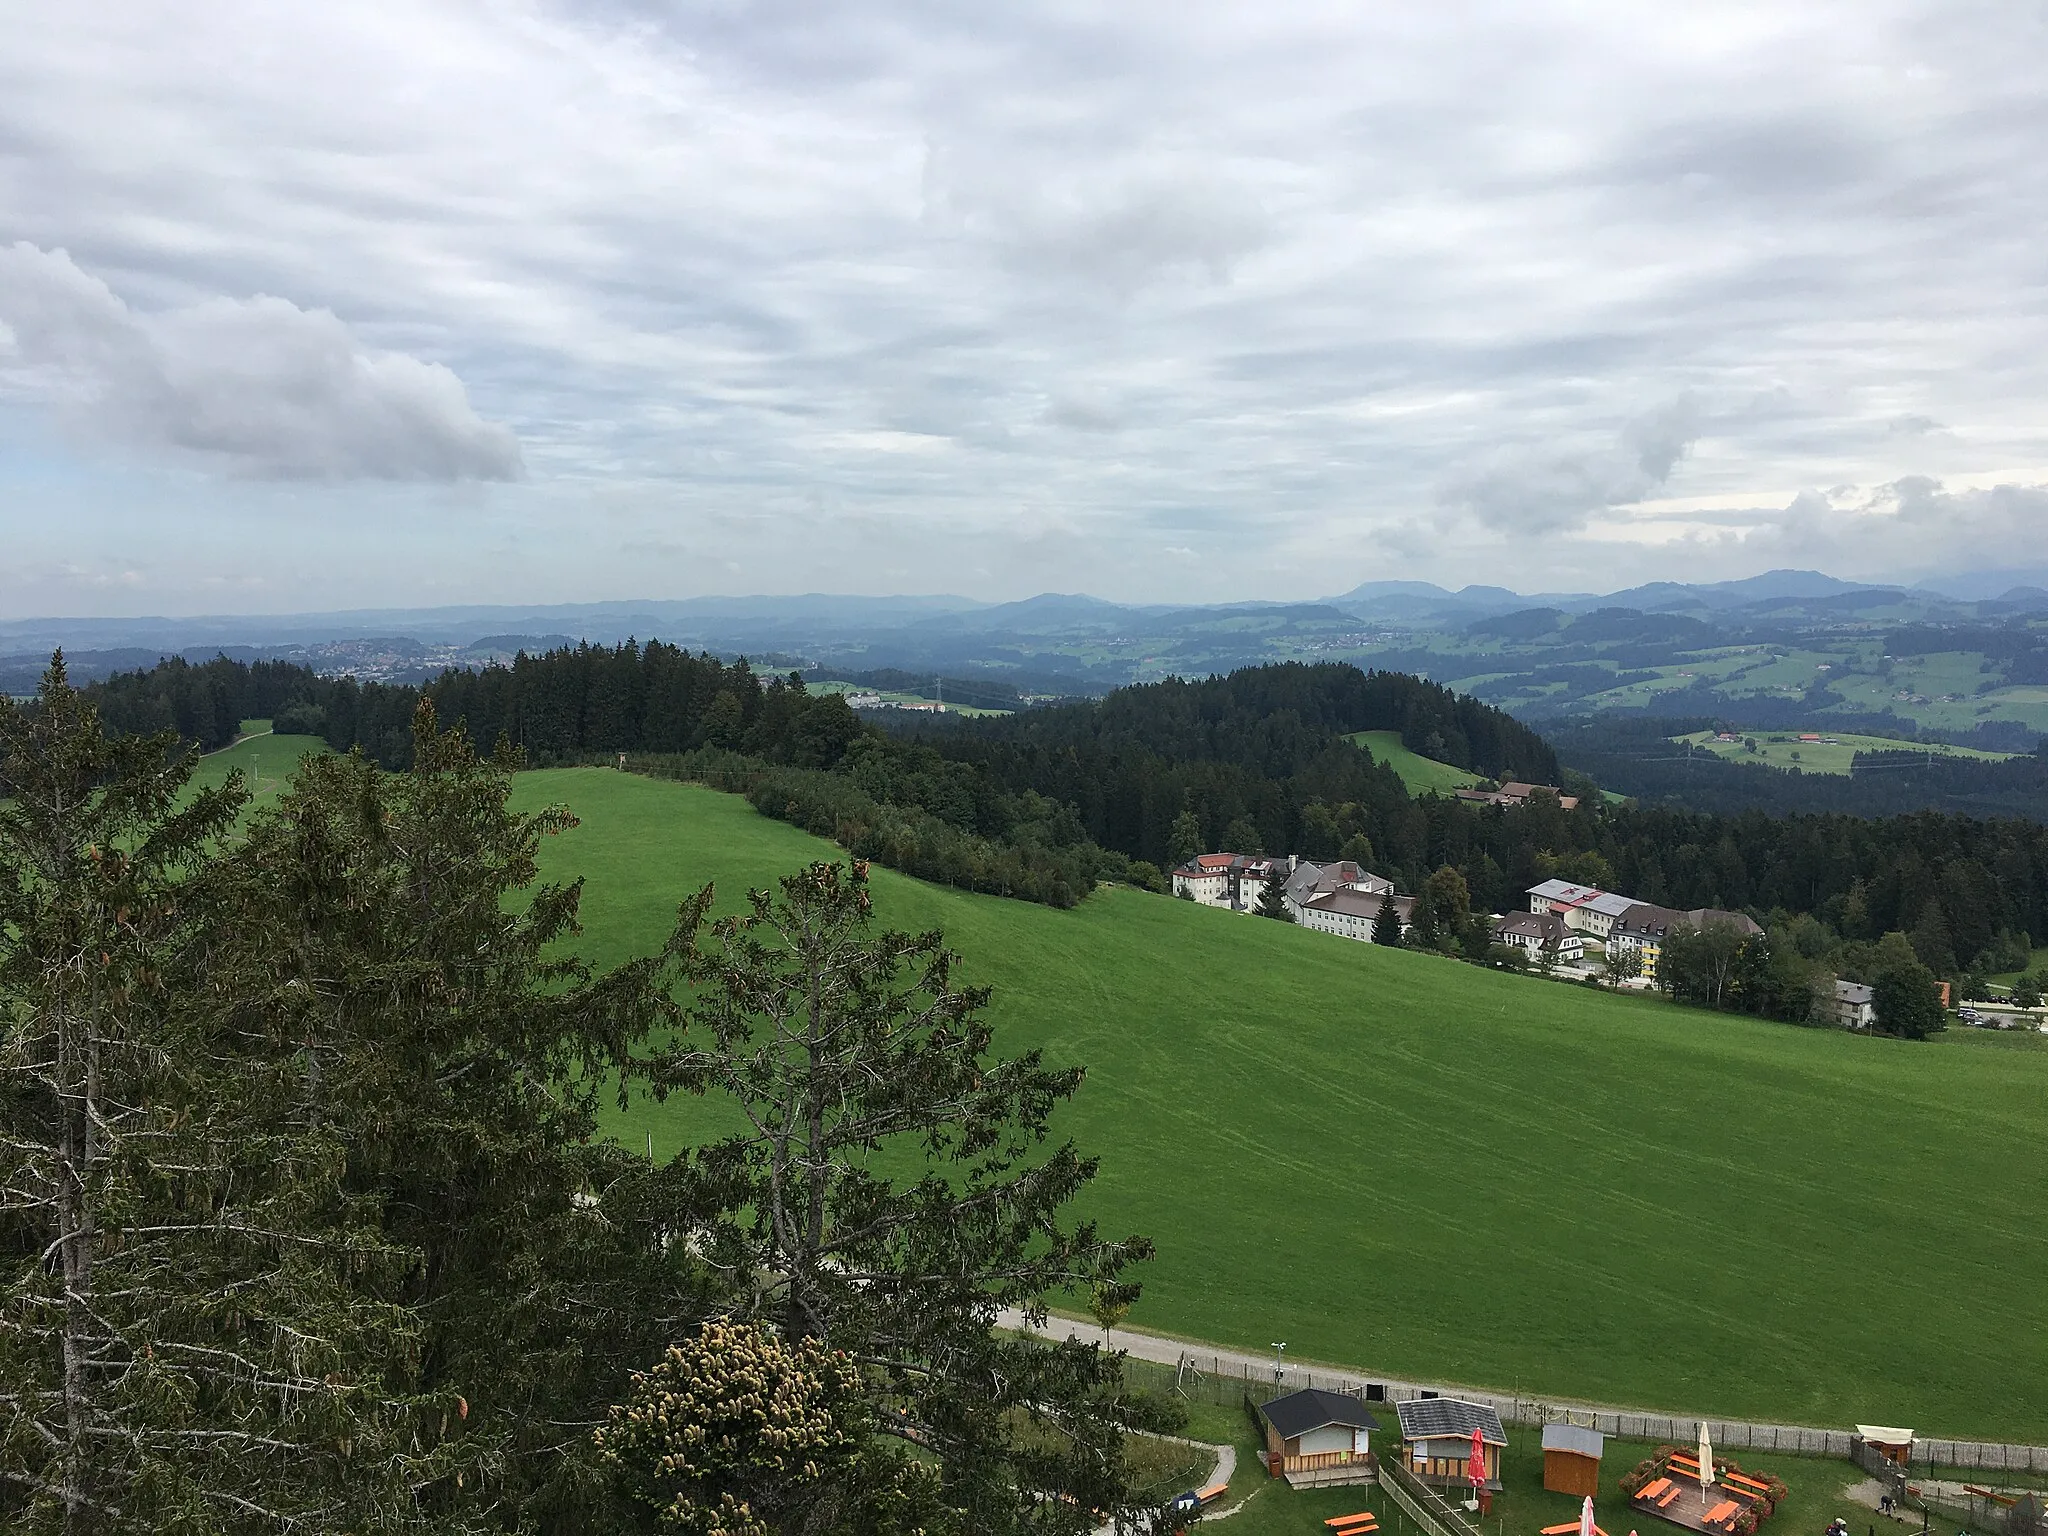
column 267, row 388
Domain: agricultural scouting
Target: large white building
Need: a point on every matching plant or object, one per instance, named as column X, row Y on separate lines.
column 1583, row 907
column 1233, row 881
column 1350, row 914
column 1307, row 881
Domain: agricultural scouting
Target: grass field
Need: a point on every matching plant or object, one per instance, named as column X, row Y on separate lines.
column 1408, row 1164
column 1784, row 749
column 1421, row 775
column 265, row 761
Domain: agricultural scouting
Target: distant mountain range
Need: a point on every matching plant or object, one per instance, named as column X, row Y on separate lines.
column 1059, row 643
column 813, row 617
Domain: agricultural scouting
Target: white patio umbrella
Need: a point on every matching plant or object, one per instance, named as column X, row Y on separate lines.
column 1586, row 1527
column 1706, row 1457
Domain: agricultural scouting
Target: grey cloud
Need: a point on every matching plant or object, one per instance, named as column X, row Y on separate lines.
column 1559, row 491
column 1122, row 223
column 260, row 385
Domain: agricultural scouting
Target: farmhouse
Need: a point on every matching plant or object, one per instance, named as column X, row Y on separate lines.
column 1534, row 931
column 1855, row 1005
column 1515, row 792
column 1571, row 1459
column 1436, row 1438
column 1350, row 914
column 1311, row 1429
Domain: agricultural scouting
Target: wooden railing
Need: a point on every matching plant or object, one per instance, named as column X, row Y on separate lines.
column 1323, row 1459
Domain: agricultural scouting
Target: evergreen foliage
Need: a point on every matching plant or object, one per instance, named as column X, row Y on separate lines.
column 850, row 1053
column 192, row 1336
column 738, row 1431
column 306, row 1222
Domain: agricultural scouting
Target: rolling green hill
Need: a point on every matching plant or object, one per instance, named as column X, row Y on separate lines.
column 1421, row 775
column 1402, row 1162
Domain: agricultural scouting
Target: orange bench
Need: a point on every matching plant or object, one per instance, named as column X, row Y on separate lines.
column 1661, row 1503
column 1560, row 1530
column 1354, row 1525
column 1212, row 1493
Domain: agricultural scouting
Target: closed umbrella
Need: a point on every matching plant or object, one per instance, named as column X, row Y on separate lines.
column 1476, row 1467
column 1586, row 1526
column 1706, row 1457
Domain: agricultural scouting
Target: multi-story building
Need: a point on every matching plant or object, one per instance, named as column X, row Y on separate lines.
column 1307, row 881
column 1234, row 881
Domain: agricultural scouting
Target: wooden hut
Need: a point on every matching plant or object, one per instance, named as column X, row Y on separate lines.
column 1571, row 1459
column 1321, row 1433
column 1894, row 1445
column 1436, row 1436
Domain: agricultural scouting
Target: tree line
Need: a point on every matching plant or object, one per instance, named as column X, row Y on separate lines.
column 307, row 1222
column 1043, row 803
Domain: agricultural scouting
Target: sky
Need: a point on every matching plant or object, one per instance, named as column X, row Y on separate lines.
column 311, row 307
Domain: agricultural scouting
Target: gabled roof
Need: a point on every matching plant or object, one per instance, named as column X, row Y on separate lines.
column 1541, row 925
column 1570, row 1437
column 1440, row 1418
column 1645, row 918
column 1856, row 995
column 1365, row 904
column 1312, row 1408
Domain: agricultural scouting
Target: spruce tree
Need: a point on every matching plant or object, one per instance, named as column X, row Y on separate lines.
column 893, row 1189
column 1386, row 923
column 450, row 1043
column 1273, row 900
column 185, row 1344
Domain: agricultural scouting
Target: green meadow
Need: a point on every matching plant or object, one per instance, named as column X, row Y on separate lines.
column 1408, row 1164
column 266, row 762
column 1835, row 754
column 1421, row 775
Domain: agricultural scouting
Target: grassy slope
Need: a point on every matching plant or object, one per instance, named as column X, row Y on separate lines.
column 266, row 762
column 1422, row 775
column 1392, row 1160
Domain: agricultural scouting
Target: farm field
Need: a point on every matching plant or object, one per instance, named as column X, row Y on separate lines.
column 1403, row 1163
column 1421, row 775
column 1784, row 749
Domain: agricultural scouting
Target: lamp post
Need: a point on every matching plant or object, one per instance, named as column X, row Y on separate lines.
column 1278, row 1351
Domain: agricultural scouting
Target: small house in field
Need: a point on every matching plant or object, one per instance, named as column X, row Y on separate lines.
column 1436, row 1439
column 1571, row 1459
column 1312, row 1429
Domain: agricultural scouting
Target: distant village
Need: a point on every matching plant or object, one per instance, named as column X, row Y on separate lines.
column 1570, row 929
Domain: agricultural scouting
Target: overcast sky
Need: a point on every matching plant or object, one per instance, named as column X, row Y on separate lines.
column 312, row 306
